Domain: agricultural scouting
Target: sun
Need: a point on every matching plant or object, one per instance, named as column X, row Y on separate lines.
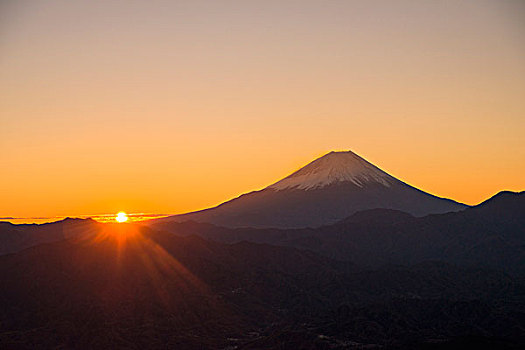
column 121, row 217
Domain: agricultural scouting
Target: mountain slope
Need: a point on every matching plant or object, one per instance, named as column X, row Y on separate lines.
column 135, row 288
column 489, row 234
column 332, row 168
column 14, row 238
column 326, row 190
column 130, row 287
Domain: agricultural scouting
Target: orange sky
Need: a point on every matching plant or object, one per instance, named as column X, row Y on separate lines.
column 168, row 107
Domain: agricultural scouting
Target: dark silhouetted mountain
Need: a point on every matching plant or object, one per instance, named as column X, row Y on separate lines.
column 132, row 287
column 323, row 192
column 14, row 238
column 377, row 278
column 490, row 234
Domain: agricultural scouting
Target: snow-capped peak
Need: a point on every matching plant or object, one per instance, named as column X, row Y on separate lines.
column 332, row 168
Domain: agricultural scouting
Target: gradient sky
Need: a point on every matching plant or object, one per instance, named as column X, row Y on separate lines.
column 173, row 106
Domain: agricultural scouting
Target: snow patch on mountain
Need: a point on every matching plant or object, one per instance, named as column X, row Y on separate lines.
column 332, row 168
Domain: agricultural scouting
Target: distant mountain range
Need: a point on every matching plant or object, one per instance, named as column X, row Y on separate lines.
column 491, row 234
column 14, row 238
column 323, row 192
column 378, row 279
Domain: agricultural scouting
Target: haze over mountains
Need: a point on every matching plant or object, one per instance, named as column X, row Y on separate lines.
column 325, row 191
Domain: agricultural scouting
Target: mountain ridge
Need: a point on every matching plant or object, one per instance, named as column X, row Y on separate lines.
column 324, row 191
column 136, row 287
column 490, row 234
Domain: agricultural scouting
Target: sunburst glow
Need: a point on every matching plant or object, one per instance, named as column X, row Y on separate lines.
column 121, row 217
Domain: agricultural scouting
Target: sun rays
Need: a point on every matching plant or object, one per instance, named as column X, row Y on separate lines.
column 135, row 245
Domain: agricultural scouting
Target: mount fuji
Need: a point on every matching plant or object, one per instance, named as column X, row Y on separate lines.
column 324, row 191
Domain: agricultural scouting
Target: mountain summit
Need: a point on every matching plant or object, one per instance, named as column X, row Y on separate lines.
column 324, row 191
column 332, row 168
